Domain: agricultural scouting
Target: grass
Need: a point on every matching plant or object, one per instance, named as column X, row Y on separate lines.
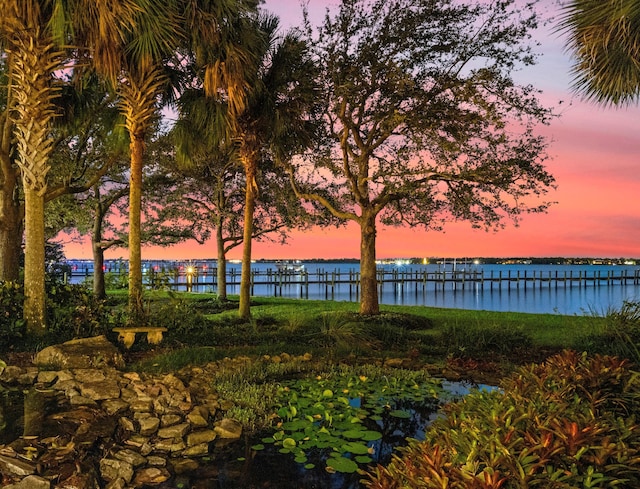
column 546, row 330
column 202, row 330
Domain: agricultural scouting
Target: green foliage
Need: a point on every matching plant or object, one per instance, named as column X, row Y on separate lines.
column 116, row 280
column 337, row 411
column 12, row 324
column 619, row 333
column 482, row 339
column 73, row 312
column 159, row 280
column 569, row 422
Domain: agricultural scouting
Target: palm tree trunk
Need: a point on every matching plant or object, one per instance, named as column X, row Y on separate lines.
column 10, row 211
column 10, row 235
column 369, row 300
column 136, row 310
column 222, row 265
column 251, row 191
column 33, row 62
column 34, row 263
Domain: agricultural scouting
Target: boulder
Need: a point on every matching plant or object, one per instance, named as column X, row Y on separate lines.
column 81, row 353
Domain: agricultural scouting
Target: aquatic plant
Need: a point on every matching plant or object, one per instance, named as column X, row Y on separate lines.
column 337, row 412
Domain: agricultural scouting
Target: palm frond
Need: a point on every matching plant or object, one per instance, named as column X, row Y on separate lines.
column 604, row 38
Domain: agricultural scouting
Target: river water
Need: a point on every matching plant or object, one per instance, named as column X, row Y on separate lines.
column 551, row 296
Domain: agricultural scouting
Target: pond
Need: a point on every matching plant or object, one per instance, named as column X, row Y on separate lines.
column 239, row 465
column 304, row 455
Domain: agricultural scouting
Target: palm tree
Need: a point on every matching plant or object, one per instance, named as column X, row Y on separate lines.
column 148, row 69
column 604, row 37
column 11, row 208
column 272, row 117
column 33, row 33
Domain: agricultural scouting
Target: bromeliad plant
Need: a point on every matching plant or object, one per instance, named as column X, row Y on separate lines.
column 567, row 423
column 338, row 413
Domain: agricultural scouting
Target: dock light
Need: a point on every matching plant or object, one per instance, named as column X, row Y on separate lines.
column 190, row 271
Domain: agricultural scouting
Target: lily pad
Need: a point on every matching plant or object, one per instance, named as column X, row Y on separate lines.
column 355, row 448
column 399, row 413
column 353, row 434
column 363, row 459
column 342, row 464
column 371, row 435
column 289, row 443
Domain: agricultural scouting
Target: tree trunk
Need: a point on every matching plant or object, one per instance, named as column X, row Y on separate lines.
column 10, row 236
column 10, row 211
column 99, row 289
column 251, row 191
column 136, row 309
column 33, row 62
column 222, row 265
column 34, row 262
column 368, row 276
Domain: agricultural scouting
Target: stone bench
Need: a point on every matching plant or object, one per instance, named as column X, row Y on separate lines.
column 128, row 335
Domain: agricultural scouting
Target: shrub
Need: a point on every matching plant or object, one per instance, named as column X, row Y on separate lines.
column 12, row 324
column 569, row 422
column 620, row 333
column 73, row 312
column 473, row 341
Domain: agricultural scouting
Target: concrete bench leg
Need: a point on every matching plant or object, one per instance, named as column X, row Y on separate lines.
column 128, row 338
column 154, row 337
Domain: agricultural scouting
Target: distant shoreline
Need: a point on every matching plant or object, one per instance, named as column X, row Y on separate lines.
column 415, row 261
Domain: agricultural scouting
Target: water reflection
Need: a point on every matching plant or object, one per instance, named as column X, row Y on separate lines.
column 237, row 465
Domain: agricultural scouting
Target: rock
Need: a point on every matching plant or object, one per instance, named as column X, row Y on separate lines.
column 394, row 362
column 79, row 481
column 31, row 482
column 47, row 377
column 15, row 466
column 170, row 420
column 126, row 424
column 118, row 483
column 141, row 405
column 228, row 428
column 87, row 375
column 169, row 445
column 134, row 458
column 80, row 353
column 151, row 476
column 155, row 461
column 196, row 450
column 111, row 469
column 148, row 426
column 175, row 431
column 114, row 406
column 198, row 437
column 79, row 400
column 10, row 374
column 199, row 416
column 99, row 391
column 174, row 382
column 180, row 466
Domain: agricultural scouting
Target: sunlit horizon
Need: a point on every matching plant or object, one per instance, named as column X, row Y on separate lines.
column 595, row 160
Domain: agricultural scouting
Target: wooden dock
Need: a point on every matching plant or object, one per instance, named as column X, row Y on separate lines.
column 400, row 279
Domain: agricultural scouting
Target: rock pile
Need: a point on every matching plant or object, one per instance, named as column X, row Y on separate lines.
column 143, row 429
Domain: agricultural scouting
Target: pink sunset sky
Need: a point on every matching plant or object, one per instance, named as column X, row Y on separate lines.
column 595, row 160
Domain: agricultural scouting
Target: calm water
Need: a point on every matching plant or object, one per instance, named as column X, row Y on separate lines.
column 518, row 296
